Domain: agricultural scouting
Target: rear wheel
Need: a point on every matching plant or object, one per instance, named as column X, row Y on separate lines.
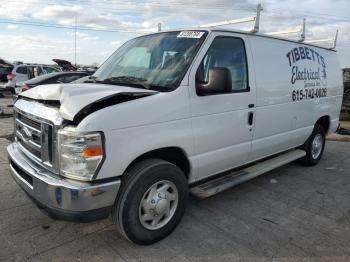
column 314, row 146
column 151, row 201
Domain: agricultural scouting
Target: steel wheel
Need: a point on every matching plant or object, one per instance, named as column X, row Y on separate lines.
column 151, row 201
column 317, row 145
column 314, row 146
column 158, row 205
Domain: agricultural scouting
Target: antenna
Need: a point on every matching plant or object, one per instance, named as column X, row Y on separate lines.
column 159, row 27
column 75, row 39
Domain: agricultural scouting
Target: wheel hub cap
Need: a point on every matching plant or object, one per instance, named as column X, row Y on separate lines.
column 158, row 205
column 317, row 145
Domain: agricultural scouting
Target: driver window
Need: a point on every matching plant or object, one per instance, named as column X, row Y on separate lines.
column 227, row 52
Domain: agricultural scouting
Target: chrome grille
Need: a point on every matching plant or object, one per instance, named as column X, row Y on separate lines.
column 43, row 122
column 35, row 124
column 36, row 138
column 29, row 135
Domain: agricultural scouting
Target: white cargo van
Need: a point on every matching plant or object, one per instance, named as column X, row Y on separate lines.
column 169, row 113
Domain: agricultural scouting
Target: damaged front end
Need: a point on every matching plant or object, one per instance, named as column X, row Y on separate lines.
column 76, row 101
column 42, row 114
column 55, row 164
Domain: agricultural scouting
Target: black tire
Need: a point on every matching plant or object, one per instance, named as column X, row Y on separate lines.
column 309, row 159
column 135, row 183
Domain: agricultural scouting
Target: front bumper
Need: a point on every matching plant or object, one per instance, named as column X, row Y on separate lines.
column 62, row 198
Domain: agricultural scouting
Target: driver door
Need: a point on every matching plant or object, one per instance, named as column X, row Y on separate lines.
column 223, row 123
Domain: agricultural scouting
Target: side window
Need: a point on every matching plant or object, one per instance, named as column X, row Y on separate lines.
column 39, row 70
column 50, row 69
column 30, row 70
column 229, row 53
column 22, row 70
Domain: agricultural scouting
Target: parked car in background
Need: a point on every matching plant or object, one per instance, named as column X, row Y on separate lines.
column 52, row 78
column 5, row 69
column 91, row 69
column 346, row 96
column 65, row 65
column 24, row 72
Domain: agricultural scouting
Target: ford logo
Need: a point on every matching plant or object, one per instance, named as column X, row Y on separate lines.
column 26, row 133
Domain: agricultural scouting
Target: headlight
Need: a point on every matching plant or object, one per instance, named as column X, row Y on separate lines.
column 81, row 154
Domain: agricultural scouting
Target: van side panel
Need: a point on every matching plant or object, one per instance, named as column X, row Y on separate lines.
column 296, row 85
column 273, row 120
column 140, row 126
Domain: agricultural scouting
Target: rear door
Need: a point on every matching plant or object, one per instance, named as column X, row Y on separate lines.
column 223, row 123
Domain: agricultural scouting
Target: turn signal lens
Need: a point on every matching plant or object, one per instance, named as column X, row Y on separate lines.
column 92, row 151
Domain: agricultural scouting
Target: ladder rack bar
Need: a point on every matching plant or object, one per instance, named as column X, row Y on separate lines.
column 230, row 22
column 257, row 19
column 293, row 31
column 334, row 40
column 302, row 36
column 320, row 40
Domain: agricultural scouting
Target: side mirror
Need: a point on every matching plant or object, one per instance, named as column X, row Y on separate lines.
column 219, row 82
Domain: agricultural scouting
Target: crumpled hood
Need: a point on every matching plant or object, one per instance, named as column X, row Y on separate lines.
column 73, row 98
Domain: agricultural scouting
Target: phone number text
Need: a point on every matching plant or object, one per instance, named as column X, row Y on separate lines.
column 308, row 93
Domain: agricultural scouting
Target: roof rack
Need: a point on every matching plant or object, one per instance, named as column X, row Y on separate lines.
column 299, row 29
column 256, row 20
column 334, row 40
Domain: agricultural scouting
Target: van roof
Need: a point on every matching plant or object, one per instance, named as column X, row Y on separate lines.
column 210, row 29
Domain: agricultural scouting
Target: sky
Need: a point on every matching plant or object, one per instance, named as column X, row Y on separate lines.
column 37, row 31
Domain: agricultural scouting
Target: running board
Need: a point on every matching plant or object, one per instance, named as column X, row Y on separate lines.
column 218, row 185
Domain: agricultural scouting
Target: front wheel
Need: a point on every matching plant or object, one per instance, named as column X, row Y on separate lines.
column 151, row 201
column 314, row 146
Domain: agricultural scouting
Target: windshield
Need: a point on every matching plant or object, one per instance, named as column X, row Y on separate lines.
column 157, row 61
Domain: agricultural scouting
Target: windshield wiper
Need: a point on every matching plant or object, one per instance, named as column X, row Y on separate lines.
column 127, row 80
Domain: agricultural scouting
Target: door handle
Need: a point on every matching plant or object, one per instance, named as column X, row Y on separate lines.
column 251, row 105
column 250, row 118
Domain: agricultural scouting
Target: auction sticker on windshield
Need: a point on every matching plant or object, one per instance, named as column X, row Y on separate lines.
column 190, row 34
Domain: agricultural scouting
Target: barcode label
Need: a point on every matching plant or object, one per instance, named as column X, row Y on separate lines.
column 191, row 34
